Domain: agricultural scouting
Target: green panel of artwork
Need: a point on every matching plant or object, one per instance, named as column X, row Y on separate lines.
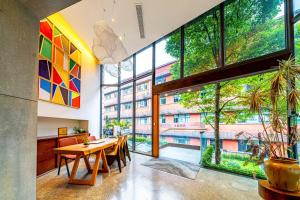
column 56, row 32
column 46, row 50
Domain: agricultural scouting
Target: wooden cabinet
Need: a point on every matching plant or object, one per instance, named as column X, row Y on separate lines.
column 46, row 158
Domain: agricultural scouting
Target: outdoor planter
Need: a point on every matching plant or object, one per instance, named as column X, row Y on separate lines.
column 283, row 174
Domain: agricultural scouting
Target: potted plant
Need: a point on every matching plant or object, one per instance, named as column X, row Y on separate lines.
column 274, row 142
column 86, row 142
column 78, row 130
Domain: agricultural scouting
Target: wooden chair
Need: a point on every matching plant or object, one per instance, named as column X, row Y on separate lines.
column 114, row 153
column 62, row 143
column 126, row 149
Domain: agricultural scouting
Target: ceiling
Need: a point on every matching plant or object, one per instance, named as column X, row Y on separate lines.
column 160, row 18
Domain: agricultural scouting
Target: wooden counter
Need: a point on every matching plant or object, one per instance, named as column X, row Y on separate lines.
column 46, row 157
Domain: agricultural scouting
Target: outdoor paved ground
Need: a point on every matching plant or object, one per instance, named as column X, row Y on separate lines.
column 189, row 155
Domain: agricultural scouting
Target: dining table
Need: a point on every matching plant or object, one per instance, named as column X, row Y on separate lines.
column 84, row 151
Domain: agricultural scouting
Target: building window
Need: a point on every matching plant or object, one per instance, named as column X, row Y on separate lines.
column 163, row 119
column 116, row 107
column 127, row 91
column 127, row 106
column 160, row 80
column 107, row 109
column 182, row 118
column 176, row 98
column 143, row 120
column 162, row 100
column 110, row 95
column 142, row 103
column 142, row 87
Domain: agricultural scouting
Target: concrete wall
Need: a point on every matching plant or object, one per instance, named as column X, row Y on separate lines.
column 18, row 101
column 90, row 100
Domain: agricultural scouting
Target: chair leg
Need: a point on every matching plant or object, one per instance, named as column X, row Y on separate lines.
column 119, row 163
column 127, row 152
column 59, row 166
column 123, row 156
column 66, row 161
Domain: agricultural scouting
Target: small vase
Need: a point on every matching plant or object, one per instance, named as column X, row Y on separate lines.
column 283, row 174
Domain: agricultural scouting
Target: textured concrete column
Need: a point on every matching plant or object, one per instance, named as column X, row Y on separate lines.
column 19, row 31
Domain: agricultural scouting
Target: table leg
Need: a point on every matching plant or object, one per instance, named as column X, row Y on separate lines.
column 95, row 168
column 105, row 167
column 74, row 169
column 87, row 163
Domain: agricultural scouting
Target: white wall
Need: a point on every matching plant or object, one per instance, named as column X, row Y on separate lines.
column 48, row 126
column 90, row 100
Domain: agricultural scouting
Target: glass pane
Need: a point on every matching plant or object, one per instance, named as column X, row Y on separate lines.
column 296, row 7
column 110, row 74
column 143, row 115
column 179, row 130
column 127, row 70
column 253, row 29
column 109, row 109
column 144, row 61
column 201, row 51
column 127, row 111
column 167, row 59
column 297, row 42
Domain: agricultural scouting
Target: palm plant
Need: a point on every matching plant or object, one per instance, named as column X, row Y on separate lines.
column 282, row 95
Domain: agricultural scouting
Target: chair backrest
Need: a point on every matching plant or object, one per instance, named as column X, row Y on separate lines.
column 67, row 141
column 124, row 141
column 92, row 138
column 118, row 145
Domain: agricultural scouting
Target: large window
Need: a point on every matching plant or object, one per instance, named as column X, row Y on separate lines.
column 167, row 56
column 253, row 28
column 127, row 70
column 109, row 108
column 296, row 7
column 110, row 74
column 143, row 111
column 202, row 38
column 144, row 61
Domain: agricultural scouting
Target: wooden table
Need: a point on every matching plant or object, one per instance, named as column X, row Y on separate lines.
column 269, row 193
column 81, row 151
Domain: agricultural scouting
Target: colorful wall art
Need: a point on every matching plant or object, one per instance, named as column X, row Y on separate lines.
column 59, row 67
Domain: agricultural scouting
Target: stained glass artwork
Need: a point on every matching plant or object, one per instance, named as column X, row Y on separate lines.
column 45, row 69
column 58, row 57
column 75, row 54
column 60, row 77
column 44, row 89
column 46, row 48
column 46, row 29
column 74, row 84
column 59, row 67
column 74, row 99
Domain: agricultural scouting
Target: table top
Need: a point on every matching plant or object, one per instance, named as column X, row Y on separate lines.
column 91, row 148
column 267, row 192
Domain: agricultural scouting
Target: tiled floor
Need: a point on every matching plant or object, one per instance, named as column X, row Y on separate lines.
column 137, row 182
column 184, row 154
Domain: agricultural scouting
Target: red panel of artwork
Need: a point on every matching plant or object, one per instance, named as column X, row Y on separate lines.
column 76, row 102
column 56, row 77
column 46, row 29
column 73, row 87
column 75, row 71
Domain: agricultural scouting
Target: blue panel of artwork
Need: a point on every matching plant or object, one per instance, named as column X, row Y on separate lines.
column 77, row 83
column 45, row 85
column 70, row 98
column 53, row 89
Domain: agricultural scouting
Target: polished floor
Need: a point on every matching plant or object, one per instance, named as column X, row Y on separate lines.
column 184, row 154
column 138, row 182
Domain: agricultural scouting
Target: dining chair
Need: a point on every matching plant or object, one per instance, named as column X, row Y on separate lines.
column 62, row 143
column 113, row 154
column 126, row 149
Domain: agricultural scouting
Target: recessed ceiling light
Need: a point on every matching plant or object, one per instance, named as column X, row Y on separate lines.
column 120, row 38
column 166, row 95
column 113, row 19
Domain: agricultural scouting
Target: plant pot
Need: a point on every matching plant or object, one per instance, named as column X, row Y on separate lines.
column 283, row 174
